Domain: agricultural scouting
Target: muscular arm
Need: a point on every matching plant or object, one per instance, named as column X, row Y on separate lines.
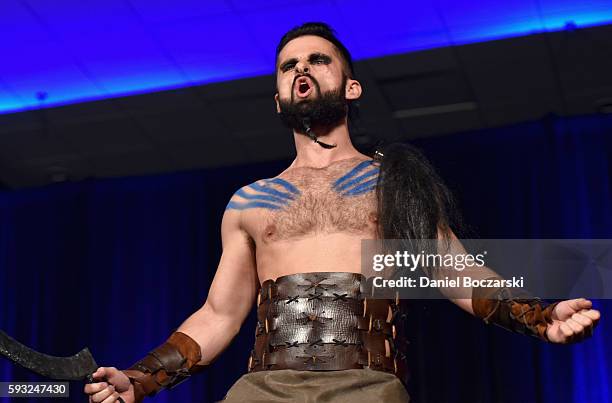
column 482, row 272
column 212, row 327
column 231, row 293
column 570, row 321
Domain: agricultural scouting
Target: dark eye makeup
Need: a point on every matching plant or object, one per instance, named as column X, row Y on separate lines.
column 315, row 58
column 287, row 66
column 319, row 58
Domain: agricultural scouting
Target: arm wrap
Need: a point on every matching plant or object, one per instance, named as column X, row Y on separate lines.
column 525, row 314
column 166, row 366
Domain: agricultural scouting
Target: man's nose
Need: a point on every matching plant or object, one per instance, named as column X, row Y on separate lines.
column 301, row 68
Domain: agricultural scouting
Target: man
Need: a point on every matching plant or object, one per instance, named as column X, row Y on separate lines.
column 297, row 239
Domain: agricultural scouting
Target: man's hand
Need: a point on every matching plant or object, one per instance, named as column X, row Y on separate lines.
column 573, row 321
column 117, row 386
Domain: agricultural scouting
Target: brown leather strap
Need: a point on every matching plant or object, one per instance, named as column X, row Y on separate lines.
column 166, row 366
column 520, row 313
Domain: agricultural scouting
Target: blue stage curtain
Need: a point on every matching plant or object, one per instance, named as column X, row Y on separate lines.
column 118, row 264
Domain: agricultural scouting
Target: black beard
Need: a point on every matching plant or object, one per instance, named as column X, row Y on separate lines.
column 326, row 111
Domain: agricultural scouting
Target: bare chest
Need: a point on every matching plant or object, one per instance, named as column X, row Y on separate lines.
column 307, row 202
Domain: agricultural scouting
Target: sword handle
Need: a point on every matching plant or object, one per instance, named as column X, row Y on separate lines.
column 90, row 379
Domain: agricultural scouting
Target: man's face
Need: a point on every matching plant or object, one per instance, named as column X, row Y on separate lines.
column 312, row 81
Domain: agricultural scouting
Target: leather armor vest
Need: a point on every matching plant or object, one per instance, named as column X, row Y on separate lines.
column 328, row 321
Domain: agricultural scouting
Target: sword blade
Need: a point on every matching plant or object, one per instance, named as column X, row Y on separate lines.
column 73, row 368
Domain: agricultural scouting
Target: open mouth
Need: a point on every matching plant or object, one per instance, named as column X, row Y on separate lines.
column 303, row 87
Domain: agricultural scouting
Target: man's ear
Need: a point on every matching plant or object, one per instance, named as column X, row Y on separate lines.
column 278, row 109
column 353, row 89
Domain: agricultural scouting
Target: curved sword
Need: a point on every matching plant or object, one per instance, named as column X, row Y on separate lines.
column 74, row 368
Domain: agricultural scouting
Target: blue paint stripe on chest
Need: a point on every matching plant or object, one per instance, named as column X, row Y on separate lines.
column 265, row 196
column 361, row 191
column 271, row 191
column 252, row 204
column 285, row 184
column 353, row 172
column 260, row 197
column 361, row 188
column 356, row 181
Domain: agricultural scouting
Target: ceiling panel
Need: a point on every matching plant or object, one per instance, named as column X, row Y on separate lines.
column 200, row 40
column 267, row 26
column 486, row 11
column 141, row 160
column 30, row 144
column 182, row 126
column 418, row 26
column 249, row 5
column 127, row 47
column 158, row 11
column 416, row 94
column 558, row 13
column 584, row 59
column 183, row 98
column 427, row 89
column 102, row 137
column 246, row 114
column 219, row 150
column 18, row 25
column 9, row 97
column 115, row 79
column 418, row 63
column 512, row 80
column 488, row 19
column 439, row 124
column 44, row 68
column 69, row 19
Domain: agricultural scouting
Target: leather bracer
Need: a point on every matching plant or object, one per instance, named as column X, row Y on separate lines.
column 166, row 366
column 518, row 313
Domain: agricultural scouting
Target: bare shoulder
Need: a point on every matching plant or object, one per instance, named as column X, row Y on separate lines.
column 253, row 205
column 268, row 194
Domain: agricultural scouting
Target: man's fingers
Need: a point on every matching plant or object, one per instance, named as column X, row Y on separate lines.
column 111, row 374
column 112, row 398
column 101, row 396
column 576, row 327
column 100, row 373
column 579, row 325
column 579, row 304
column 566, row 330
column 582, row 319
column 92, row 388
column 111, row 383
column 592, row 314
column 118, row 378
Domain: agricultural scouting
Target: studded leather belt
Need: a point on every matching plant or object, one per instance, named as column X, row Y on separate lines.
column 327, row 321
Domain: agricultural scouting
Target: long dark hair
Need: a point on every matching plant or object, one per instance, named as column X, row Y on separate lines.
column 413, row 201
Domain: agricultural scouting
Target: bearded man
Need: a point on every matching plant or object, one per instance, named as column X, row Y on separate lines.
column 293, row 244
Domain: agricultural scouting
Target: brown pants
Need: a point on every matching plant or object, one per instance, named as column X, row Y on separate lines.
column 287, row 385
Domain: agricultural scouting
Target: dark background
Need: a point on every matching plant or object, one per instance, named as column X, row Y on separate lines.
column 110, row 210
column 117, row 264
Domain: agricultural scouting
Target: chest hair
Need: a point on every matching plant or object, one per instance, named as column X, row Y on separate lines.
column 321, row 208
